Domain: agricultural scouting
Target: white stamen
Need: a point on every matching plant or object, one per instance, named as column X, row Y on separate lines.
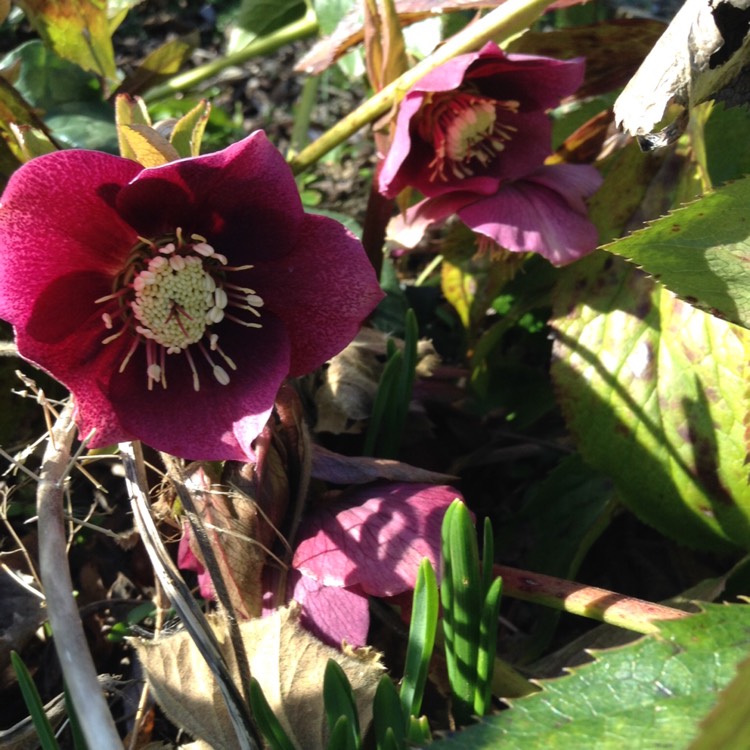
column 215, row 315
column 204, row 249
column 221, row 297
column 107, row 318
column 177, row 262
column 221, row 374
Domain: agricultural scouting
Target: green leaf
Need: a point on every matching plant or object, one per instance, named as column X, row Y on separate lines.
column 69, row 100
column 45, row 733
column 340, row 704
column 424, row 617
column 266, row 720
column 654, row 392
column 188, row 131
column 387, row 716
column 260, row 17
column 464, row 599
column 77, row 30
column 701, row 252
column 647, row 695
column 159, row 65
column 341, row 736
column 728, row 725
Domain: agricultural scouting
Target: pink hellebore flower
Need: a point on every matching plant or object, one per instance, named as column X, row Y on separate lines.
column 475, row 121
column 473, row 136
column 369, row 543
column 173, row 301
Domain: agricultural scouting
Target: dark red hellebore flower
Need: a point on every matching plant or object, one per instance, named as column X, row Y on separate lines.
column 172, row 301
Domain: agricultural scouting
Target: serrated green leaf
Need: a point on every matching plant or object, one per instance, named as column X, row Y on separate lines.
column 647, row 695
column 654, row 391
column 77, row 30
column 701, row 252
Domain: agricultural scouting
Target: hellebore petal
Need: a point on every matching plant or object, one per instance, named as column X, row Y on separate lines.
column 476, row 120
column 375, row 537
column 543, row 213
column 109, row 270
column 332, row 613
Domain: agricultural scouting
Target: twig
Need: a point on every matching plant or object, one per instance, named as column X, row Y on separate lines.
column 70, row 642
column 180, row 596
column 177, row 477
column 587, row 601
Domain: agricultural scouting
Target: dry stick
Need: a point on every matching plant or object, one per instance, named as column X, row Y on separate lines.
column 70, row 643
column 180, row 596
column 587, row 601
column 177, row 477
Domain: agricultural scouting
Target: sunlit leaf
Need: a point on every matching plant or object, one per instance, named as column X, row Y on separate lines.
column 654, row 392
column 150, row 148
column 77, row 30
column 187, row 132
column 159, row 65
column 701, row 252
column 647, row 695
column 728, row 725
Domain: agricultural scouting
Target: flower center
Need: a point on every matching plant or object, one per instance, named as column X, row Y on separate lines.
column 464, row 131
column 171, row 295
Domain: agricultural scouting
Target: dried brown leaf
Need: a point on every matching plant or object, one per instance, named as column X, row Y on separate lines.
column 288, row 662
column 702, row 51
column 344, row 399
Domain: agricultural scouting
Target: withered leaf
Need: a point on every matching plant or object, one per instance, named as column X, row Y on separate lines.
column 701, row 53
column 344, row 399
column 288, row 662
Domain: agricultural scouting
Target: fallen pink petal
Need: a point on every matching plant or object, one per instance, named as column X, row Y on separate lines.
column 140, row 289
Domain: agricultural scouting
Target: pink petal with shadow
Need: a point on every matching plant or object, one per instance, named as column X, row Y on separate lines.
column 375, row 537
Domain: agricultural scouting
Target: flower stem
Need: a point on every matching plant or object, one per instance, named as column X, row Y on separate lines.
column 304, row 27
column 586, row 601
column 510, row 18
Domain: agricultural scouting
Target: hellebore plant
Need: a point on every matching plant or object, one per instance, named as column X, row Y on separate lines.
column 473, row 136
column 173, row 301
column 369, row 542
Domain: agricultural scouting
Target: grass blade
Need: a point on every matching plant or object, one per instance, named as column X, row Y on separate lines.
column 421, row 640
column 46, row 734
column 266, row 720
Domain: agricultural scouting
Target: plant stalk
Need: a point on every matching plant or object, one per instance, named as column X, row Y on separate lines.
column 586, row 601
